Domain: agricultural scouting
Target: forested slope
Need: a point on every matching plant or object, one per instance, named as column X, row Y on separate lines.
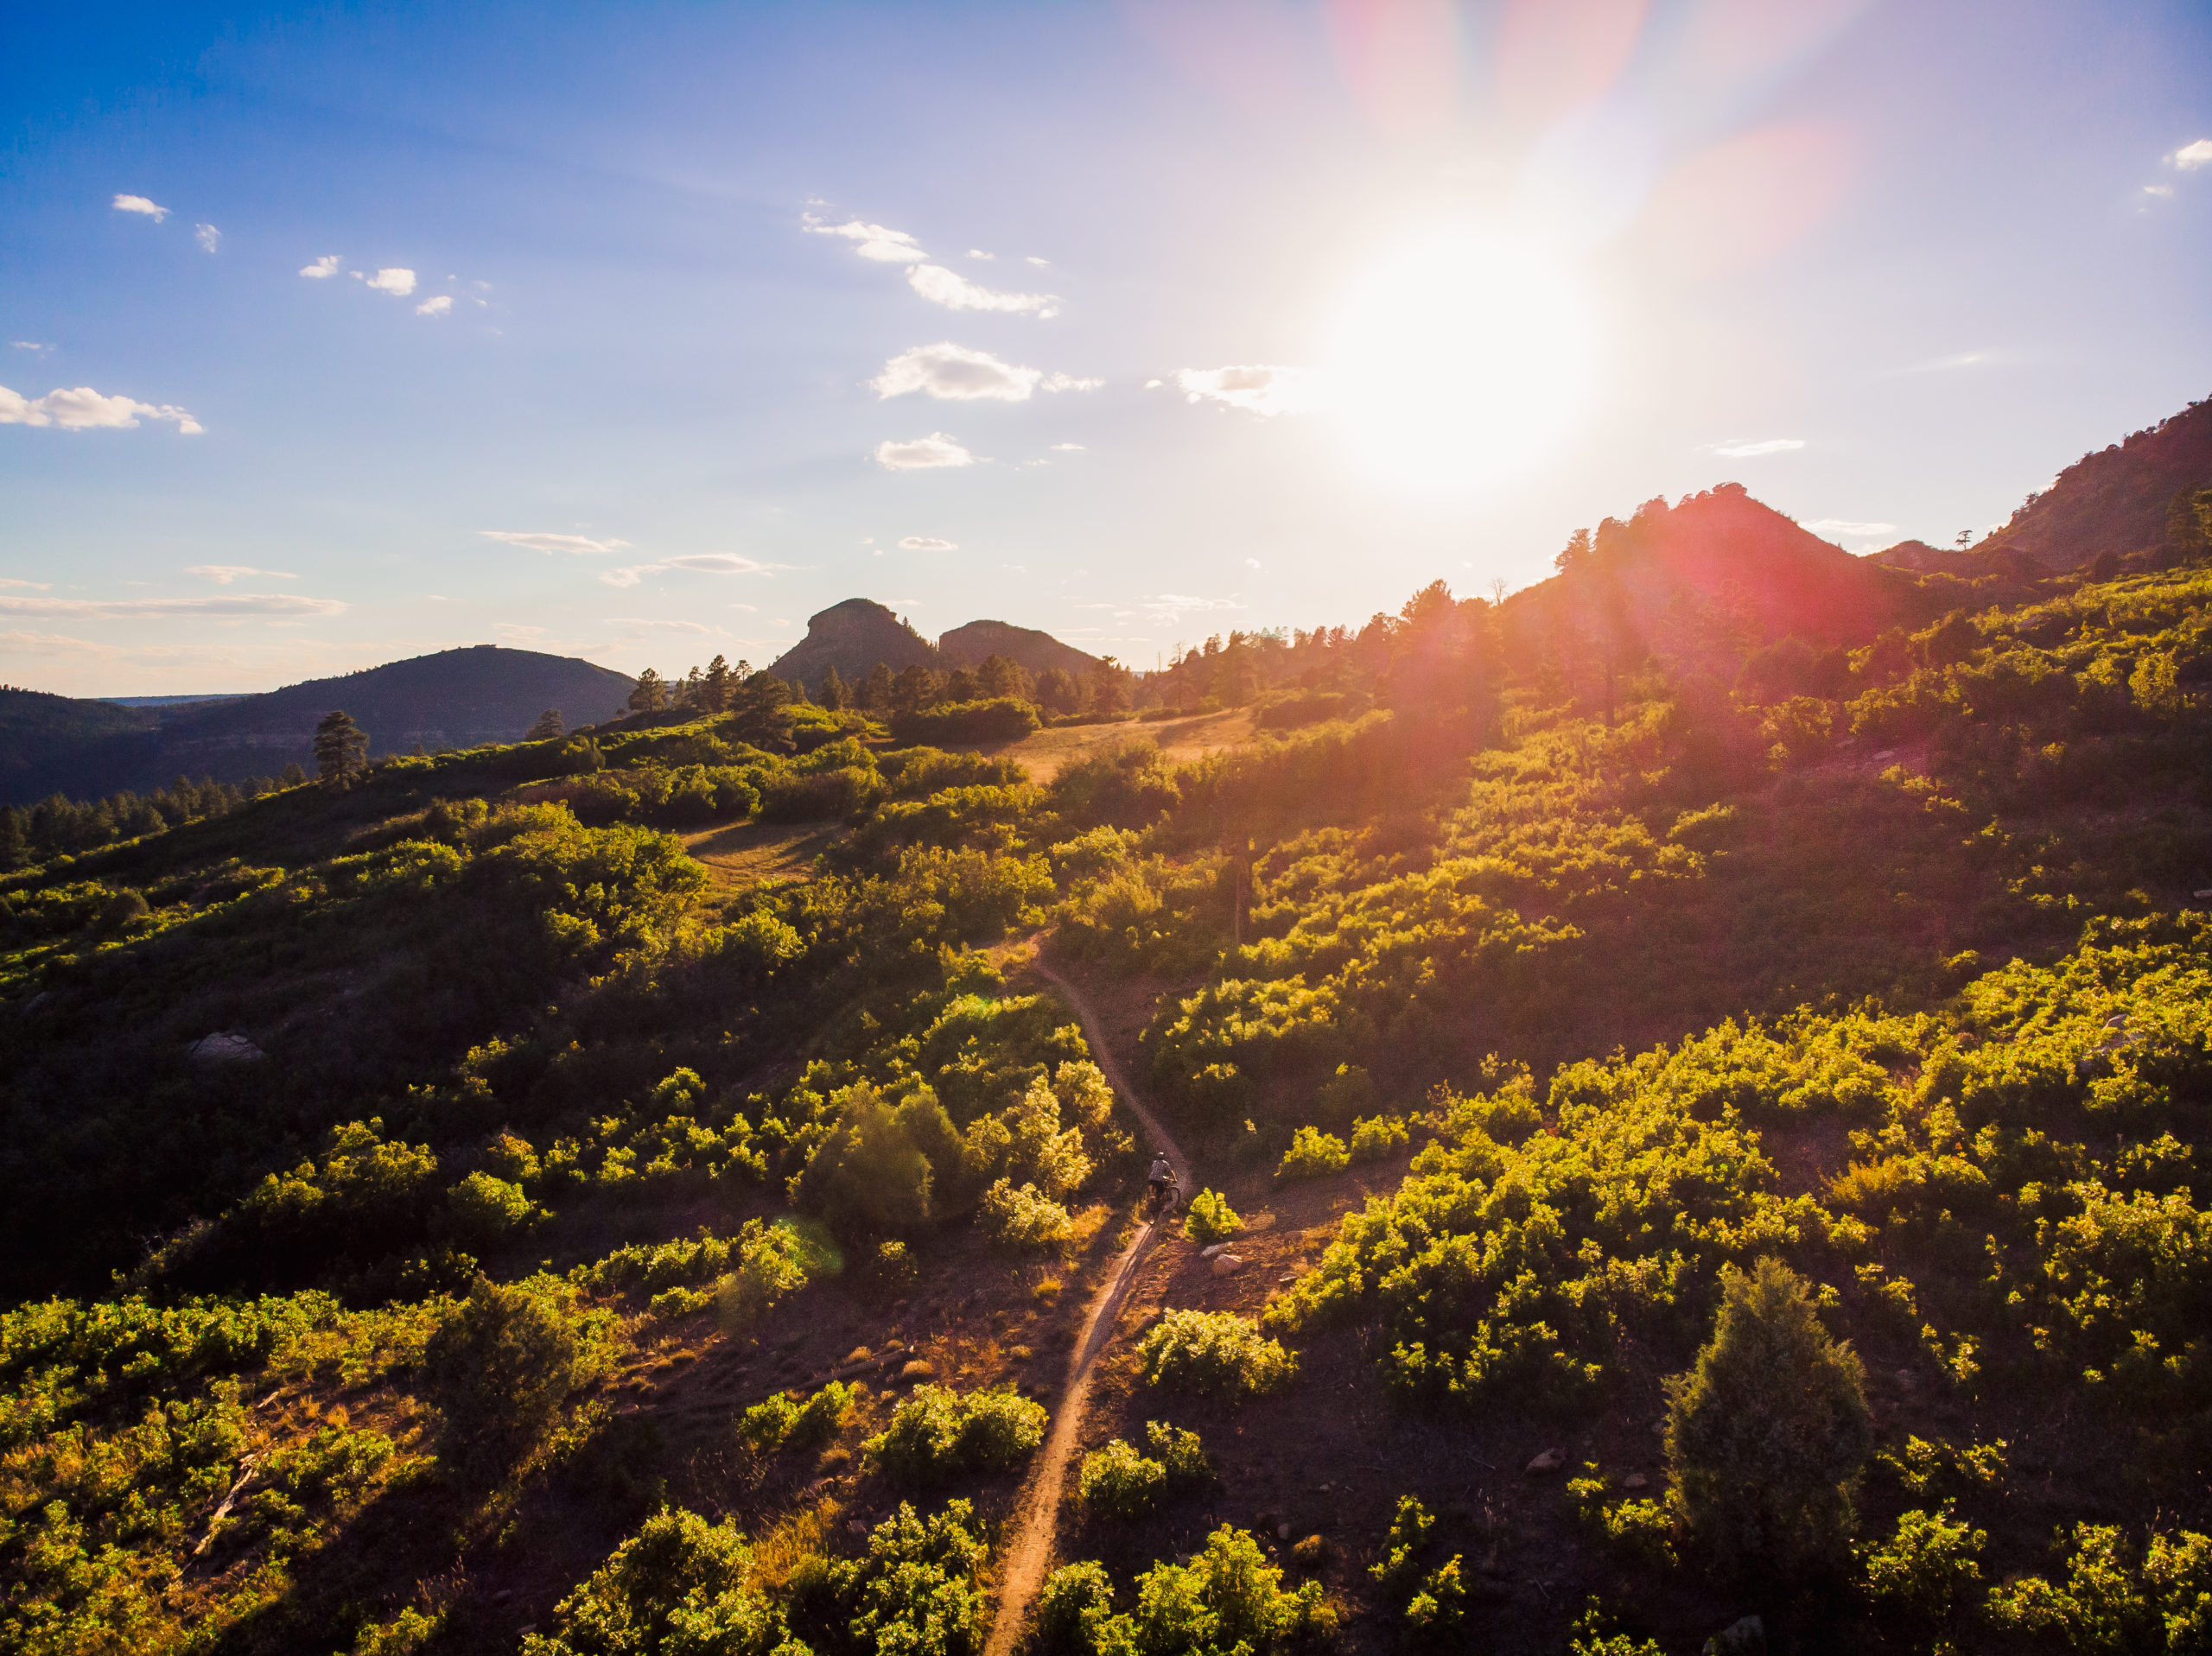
column 580, row 1249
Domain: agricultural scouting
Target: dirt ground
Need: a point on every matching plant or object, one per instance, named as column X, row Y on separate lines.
column 1044, row 753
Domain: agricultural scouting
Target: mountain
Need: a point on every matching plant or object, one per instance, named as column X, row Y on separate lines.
column 853, row 636
column 456, row 698
column 973, row 645
column 2119, row 499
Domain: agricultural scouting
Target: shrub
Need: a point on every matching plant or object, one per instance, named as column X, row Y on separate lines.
column 1072, row 1606
column 936, row 1433
column 1118, row 1483
column 1000, row 719
column 783, row 1422
column 913, row 1593
column 1924, row 1570
column 484, row 1210
column 772, row 1262
column 1227, row 1596
column 1374, row 1137
column 2114, row 1599
column 1399, row 1566
column 1313, row 1154
column 1023, row 1218
column 1211, row 1219
column 679, row 1583
column 496, row 1368
column 1346, row 1093
column 1214, row 1351
column 1766, row 1436
column 1182, row 1453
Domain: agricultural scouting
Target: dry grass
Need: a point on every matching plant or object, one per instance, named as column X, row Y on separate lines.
column 758, row 853
column 1044, row 753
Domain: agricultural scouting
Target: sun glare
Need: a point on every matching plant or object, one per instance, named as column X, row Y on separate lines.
column 1459, row 359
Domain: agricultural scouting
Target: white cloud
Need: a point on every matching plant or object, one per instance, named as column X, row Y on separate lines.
column 2188, row 157
column 142, row 608
column 207, row 236
column 1067, row 449
column 1070, row 383
column 1944, row 365
column 922, row 453
column 1258, row 388
column 711, row 563
column 35, row 585
column 394, row 280
column 1169, row 606
column 2160, row 190
column 514, row 633
column 925, row 543
column 140, row 204
column 1251, row 563
column 955, row 292
column 978, row 253
column 439, row 307
column 85, row 409
column 874, row 241
column 1040, row 263
column 325, row 266
column 954, row 373
column 224, row 574
column 652, row 625
column 531, row 541
column 29, row 344
column 56, row 643
column 1752, row 448
column 1842, row 529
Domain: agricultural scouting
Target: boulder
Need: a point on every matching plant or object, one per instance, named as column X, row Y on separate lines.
column 1227, row 1265
column 1550, row 1461
column 1213, row 1250
column 225, row 1046
column 1635, row 1480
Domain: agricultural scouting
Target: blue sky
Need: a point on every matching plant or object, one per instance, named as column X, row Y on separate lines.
column 650, row 330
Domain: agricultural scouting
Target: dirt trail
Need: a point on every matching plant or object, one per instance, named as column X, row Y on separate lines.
column 1036, row 1514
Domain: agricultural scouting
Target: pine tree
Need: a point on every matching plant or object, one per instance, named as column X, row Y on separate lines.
column 294, row 775
column 548, row 727
column 999, row 676
column 1109, row 686
column 649, row 694
column 342, row 754
column 715, row 689
column 832, row 688
column 15, row 843
column 877, row 693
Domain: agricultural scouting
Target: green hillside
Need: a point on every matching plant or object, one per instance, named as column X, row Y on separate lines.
column 646, row 1187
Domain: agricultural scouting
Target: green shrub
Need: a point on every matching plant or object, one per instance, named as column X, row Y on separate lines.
column 1118, row 1483
column 936, row 1433
column 772, row 1261
column 1924, row 1570
column 1228, row 1595
column 1399, row 1568
column 1072, row 1606
column 497, row 1369
column 679, row 1584
column 1767, row 1435
column 1214, row 1351
column 782, row 1422
column 1313, row 1154
column 1001, row 718
column 2115, row 1598
column 1375, row 1137
column 915, row 1591
column 1023, row 1218
column 1346, row 1093
column 1211, row 1219
column 1438, row 1604
column 484, row 1210
column 1182, row 1453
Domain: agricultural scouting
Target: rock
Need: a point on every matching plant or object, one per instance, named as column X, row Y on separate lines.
column 1228, row 1265
column 1906, row 1380
column 1658, row 1429
column 1745, row 1637
column 1213, row 1250
column 225, row 1046
column 1635, row 1480
column 1550, row 1461
column 1282, row 1532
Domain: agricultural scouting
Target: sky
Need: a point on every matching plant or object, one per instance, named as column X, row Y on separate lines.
column 332, row 335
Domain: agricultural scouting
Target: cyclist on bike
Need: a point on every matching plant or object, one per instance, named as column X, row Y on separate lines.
column 1160, row 1181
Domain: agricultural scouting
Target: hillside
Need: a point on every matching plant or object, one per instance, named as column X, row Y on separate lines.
column 34, row 727
column 852, row 636
column 1033, row 650
column 1576, row 1017
column 455, row 698
column 2119, row 499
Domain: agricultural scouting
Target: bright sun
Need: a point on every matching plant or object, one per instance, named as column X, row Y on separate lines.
column 1459, row 359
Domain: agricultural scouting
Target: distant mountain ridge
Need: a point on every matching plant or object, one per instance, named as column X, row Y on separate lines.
column 855, row 634
column 454, row 698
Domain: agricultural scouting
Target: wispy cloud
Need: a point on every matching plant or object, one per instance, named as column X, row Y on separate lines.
column 325, row 266
column 955, row 292
column 925, row 543
column 514, row 633
column 149, row 608
column 35, row 585
column 1752, row 448
column 709, row 563
column 1171, row 607
column 1067, row 449
column 207, row 236
column 1956, row 359
column 439, row 307
column 2188, row 157
column 871, row 241
column 395, row 280
column 954, row 373
column 532, row 540
column 224, row 574
column 29, row 344
column 1843, row 529
column 140, row 204
column 1258, row 388
column 87, row 409
column 978, row 253
column 651, row 624
column 922, row 453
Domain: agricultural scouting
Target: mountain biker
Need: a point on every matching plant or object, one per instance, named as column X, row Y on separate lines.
column 1160, row 1181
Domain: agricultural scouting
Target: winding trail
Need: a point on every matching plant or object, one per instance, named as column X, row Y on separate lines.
column 1037, row 1508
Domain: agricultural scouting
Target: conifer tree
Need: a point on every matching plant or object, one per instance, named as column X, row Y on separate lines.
column 15, row 843
column 878, row 692
column 293, row 774
column 650, row 693
column 1109, row 686
column 341, row 754
column 715, row 689
column 548, row 727
column 832, row 688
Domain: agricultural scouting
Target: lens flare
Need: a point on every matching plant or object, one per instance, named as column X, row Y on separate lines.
column 1460, row 359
